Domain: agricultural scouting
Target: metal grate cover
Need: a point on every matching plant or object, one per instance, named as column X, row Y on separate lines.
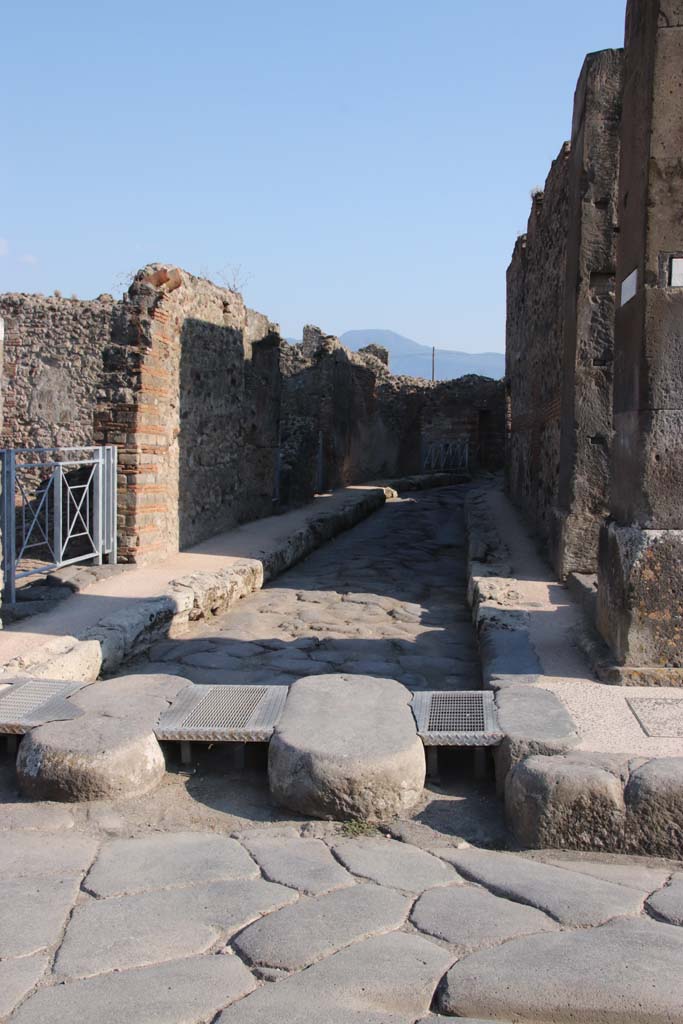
column 457, row 718
column 34, row 702
column 234, row 714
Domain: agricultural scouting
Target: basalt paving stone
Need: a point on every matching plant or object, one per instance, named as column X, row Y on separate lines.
column 626, row 972
column 389, row 974
column 43, row 817
column 17, row 978
column 313, row 928
column 668, row 903
column 182, row 992
column 634, row 876
column 173, row 859
column 136, row 931
column 395, row 864
column 304, row 864
column 572, row 899
column 470, row 918
column 21, row 856
column 33, row 912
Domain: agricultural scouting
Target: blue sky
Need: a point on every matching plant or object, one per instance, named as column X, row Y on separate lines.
column 367, row 164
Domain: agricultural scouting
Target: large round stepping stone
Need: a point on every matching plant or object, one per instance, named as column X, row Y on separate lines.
column 109, row 752
column 346, row 747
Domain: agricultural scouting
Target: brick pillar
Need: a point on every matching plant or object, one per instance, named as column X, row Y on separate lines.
column 640, row 605
column 588, row 340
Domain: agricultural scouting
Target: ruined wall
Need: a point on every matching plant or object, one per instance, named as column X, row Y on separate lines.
column 347, row 419
column 534, row 346
column 560, row 330
column 188, row 376
column 52, row 368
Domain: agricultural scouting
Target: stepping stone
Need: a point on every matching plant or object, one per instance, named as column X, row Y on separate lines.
column 668, row 903
column 109, row 753
column 296, row 936
column 23, row 855
column 303, row 864
column 136, row 931
column 346, row 747
column 389, row 978
column 392, row 863
column 17, row 978
column 175, row 993
column 572, row 899
column 470, row 918
column 161, row 861
column 627, row 970
column 34, row 912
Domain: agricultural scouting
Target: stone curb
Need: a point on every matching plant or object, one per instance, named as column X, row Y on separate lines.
column 554, row 796
column 128, row 633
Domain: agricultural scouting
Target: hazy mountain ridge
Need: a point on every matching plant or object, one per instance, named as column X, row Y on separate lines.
column 410, row 358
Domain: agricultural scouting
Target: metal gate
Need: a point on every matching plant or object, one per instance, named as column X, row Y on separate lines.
column 58, row 508
column 444, row 456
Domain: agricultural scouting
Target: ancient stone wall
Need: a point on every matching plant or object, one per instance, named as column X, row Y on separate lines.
column 560, row 330
column 52, row 368
column 347, row 419
column 534, row 345
column 216, row 421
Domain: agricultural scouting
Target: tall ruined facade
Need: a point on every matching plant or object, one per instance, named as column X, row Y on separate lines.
column 595, row 344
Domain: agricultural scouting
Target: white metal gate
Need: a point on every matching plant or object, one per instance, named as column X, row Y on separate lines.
column 446, row 456
column 58, row 508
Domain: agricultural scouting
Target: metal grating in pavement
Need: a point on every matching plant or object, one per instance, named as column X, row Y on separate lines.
column 35, row 701
column 232, row 714
column 457, row 718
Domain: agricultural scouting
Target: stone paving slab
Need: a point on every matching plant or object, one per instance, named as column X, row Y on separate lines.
column 389, row 974
column 625, row 971
column 572, row 899
column 42, row 817
column 636, row 876
column 182, row 992
column 313, row 928
column 161, row 861
column 668, row 903
column 304, row 864
column 21, row 856
column 33, row 912
column 470, row 918
column 137, row 931
column 395, row 864
column 18, row 977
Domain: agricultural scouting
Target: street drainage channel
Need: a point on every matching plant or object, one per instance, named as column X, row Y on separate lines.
column 249, row 714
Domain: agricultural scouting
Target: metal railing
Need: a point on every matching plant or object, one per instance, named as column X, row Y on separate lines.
column 58, row 508
column 446, row 456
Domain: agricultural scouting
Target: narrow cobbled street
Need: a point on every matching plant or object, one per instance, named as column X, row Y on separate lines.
column 385, row 599
column 202, row 903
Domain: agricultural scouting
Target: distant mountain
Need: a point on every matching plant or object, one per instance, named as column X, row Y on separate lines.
column 409, row 358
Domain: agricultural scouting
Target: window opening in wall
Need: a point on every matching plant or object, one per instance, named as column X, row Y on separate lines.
column 676, row 272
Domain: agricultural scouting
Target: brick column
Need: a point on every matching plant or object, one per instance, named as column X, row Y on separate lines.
column 640, row 606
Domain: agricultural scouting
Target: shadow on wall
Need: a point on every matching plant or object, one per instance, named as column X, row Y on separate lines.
column 229, row 411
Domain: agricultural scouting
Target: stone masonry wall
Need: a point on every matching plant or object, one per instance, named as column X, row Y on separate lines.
column 52, row 368
column 560, row 330
column 534, row 346
column 216, row 421
column 347, row 419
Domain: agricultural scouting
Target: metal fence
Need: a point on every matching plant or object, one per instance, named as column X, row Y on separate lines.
column 58, row 508
column 446, row 456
